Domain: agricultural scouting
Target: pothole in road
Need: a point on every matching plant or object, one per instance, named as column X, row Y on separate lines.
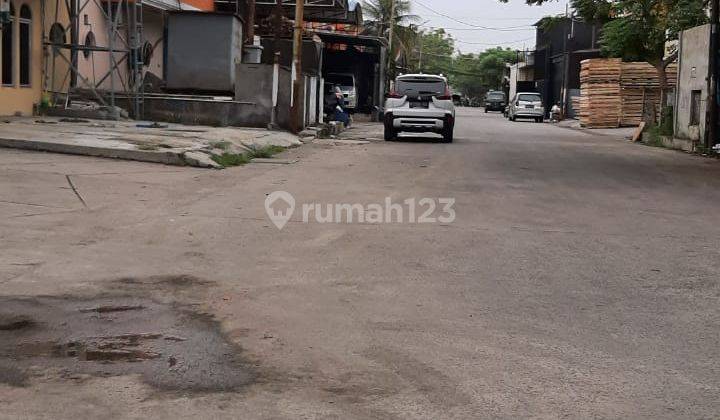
column 172, row 348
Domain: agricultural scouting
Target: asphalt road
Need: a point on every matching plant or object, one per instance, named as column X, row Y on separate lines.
column 579, row 279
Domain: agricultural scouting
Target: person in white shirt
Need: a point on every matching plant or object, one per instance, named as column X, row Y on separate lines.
column 555, row 113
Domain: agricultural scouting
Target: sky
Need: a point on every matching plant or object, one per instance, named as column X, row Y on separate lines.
column 510, row 22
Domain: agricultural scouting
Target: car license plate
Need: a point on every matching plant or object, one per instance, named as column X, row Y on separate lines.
column 530, row 106
column 418, row 104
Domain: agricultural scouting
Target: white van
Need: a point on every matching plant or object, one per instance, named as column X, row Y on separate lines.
column 346, row 83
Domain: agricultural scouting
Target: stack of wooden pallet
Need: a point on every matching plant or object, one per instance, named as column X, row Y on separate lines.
column 600, row 93
column 640, row 90
column 615, row 94
column 640, row 74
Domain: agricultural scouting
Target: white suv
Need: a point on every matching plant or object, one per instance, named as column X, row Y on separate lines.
column 420, row 103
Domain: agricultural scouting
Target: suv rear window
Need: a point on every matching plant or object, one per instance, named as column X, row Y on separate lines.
column 496, row 96
column 529, row 98
column 420, row 87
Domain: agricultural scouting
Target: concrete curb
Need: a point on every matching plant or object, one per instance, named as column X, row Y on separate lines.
column 164, row 156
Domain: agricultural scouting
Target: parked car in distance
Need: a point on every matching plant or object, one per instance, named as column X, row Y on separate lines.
column 494, row 101
column 420, row 103
column 526, row 105
column 346, row 82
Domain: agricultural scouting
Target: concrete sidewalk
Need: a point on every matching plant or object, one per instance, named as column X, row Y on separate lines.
column 170, row 144
column 622, row 133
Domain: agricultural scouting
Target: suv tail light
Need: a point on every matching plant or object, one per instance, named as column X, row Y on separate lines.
column 447, row 95
column 394, row 95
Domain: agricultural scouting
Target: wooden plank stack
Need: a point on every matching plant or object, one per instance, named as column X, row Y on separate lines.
column 614, row 94
column 600, row 93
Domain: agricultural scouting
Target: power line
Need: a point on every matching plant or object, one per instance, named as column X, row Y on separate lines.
column 508, row 29
column 505, row 29
column 494, row 43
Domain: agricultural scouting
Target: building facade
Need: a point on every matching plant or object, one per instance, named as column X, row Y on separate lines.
column 40, row 44
column 561, row 44
column 692, row 86
column 21, row 57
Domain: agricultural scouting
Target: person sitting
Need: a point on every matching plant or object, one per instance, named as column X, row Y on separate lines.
column 555, row 112
column 338, row 107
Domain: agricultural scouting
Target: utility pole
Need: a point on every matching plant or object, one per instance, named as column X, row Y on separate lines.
column 566, row 68
column 711, row 131
column 249, row 20
column 420, row 59
column 391, row 58
column 297, row 79
column 517, row 70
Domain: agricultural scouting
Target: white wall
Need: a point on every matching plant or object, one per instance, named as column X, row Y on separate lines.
column 692, row 73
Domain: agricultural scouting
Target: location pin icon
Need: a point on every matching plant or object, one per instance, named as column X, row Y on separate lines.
column 279, row 206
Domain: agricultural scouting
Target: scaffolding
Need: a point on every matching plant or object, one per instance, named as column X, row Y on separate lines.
column 121, row 48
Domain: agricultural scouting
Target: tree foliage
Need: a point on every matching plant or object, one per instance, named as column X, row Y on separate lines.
column 379, row 18
column 433, row 53
column 642, row 27
column 475, row 74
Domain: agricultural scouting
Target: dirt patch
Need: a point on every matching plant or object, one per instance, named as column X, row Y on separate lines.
column 168, row 345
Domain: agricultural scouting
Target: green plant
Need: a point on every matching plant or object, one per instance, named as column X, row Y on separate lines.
column 231, row 159
column 44, row 104
column 265, row 151
column 222, row 145
column 653, row 136
column 666, row 124
column 146, row 146
column 237, row 159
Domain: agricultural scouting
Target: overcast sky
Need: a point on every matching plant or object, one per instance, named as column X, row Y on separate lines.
column 464, row 17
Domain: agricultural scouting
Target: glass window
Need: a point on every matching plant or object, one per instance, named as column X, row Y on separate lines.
column 529, row 98
column 57, row 36
column 25, row 44
column 89, row 42
column 147, row 53
column 8, row 64
column 416, row 87
column 344, row 80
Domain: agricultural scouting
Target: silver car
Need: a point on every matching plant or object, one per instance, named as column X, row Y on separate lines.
column 346, row 83
column 420, row 103
column 526, row 105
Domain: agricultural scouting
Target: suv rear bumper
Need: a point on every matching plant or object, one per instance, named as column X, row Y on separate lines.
column 419, row 123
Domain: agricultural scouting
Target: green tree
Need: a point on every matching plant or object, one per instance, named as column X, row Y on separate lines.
column 379, row 20
column 433, row 52
column 643, row 27
column 475, row 74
